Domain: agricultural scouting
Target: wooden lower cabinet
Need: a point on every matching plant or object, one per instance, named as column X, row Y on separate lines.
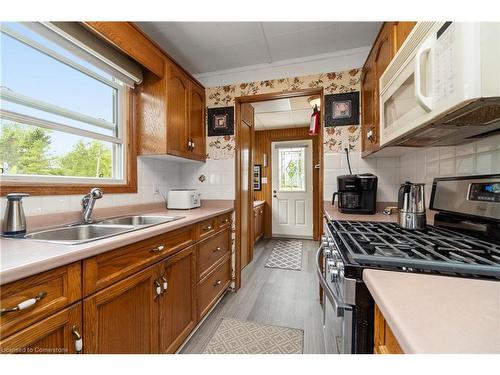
column 56, row 334
column 140, row 298
column 258, row 226
column 177, row 303
column 152, row 311
column 384, row 340
column 123, row 318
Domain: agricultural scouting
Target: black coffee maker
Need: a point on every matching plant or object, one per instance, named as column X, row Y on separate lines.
column 357, row 193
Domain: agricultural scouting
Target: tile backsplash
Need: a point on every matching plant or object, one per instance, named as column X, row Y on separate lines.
column 424, row 164
column 416, row 165
column 152, row 174
column 387, row 170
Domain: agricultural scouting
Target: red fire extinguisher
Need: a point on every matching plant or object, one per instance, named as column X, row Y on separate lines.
column 315, row 120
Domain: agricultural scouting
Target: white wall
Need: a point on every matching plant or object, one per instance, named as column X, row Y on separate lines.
column 423, row 165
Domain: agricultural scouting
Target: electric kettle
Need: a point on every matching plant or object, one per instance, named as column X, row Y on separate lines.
column 411, row 204
column 14, row 221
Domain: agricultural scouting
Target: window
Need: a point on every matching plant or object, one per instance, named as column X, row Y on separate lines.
column 292, row 173
column 62, row 118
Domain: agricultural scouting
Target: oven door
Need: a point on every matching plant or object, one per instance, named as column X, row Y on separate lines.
column 337, row 317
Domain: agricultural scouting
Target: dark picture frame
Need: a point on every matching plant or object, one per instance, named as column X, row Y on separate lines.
column 342, row 109
column 257, row 177
column 220, row 121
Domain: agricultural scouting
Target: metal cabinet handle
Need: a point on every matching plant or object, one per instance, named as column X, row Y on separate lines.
column 157, row 249
column 192, row 145
column 207, row 228
column 217, row 283
column 25, row 304
column 218, row 248
column 157, row 287
column 165, row 283
column 226, row 220
column 78, row 339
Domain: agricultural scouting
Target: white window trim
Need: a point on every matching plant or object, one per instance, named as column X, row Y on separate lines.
column 119, row 141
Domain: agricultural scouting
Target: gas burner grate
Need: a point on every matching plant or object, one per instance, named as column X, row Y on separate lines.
column 438, row 249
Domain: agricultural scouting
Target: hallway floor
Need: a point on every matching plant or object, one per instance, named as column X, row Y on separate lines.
column 271, row 296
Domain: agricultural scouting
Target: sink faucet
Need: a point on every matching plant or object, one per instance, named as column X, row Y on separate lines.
column 88, row 202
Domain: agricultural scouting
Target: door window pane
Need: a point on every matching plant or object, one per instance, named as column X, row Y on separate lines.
column 292, row 174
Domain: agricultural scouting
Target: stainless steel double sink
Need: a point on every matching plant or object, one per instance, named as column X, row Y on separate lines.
column 82, row 233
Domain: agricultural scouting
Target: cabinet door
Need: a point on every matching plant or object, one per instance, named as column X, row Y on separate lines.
column 400, row 33
column 123, row 318
column 383, row 53
column 177, row 303
column 177, row 112
column 197, row 122
column 56, row 334
column 367, row 106
column 256, row 228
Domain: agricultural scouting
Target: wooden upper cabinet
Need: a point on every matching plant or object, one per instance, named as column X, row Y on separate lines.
column 57, row 334
column 177, row 303
column 177, row 112
column 123, row 318
column 385, row 47
column 171, row 115
column 367, row 106
column 197, row 122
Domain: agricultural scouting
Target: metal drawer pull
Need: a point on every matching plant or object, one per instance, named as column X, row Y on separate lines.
column 25, row 304
column 207, row 228
column 165, row 283
column 218, row 248
column 226, row 220
column 217, row 283
column 157, row 249
column 78, row 340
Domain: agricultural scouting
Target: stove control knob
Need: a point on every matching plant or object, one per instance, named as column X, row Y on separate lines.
column 324, row 241
column 331, row 265
column 334, row 275
column 327, row 253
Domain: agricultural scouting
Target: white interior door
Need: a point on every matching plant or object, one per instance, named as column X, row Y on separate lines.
column 292, row 188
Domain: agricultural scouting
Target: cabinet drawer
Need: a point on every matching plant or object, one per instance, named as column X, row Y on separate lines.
column 224, row 220
column 211, row 250
column 28, row 300
column 207, row 227
column 106, row 268
column 212, row 287
column 56, row 334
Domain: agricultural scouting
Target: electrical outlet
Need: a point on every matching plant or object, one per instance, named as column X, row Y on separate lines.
column 156, row 188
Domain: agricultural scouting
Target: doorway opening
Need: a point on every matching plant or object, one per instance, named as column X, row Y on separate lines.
column 275, row 152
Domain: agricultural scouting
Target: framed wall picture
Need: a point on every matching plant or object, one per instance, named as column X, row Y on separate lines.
column 342, row 109
column 257, row 177
column 220, row 121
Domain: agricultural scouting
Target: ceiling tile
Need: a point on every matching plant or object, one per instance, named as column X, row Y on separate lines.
column 272, row 106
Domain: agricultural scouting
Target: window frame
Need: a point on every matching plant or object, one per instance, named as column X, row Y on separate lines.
column 65, row 185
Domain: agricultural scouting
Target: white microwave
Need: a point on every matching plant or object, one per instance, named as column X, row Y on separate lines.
column 443, row 86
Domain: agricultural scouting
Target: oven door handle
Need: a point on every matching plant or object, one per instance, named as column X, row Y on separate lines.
column 338, row 308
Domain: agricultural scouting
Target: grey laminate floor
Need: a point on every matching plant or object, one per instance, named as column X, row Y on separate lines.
column 271, row 296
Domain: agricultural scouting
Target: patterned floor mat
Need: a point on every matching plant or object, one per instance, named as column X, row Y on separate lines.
column 243, row 337
column 286, row 255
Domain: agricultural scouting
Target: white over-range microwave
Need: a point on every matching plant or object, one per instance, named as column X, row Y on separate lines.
column 443, row 86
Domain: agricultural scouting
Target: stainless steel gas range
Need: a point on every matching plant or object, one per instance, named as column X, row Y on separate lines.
column 464, row 242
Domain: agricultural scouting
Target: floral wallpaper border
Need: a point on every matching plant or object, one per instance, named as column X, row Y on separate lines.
column 222, row 147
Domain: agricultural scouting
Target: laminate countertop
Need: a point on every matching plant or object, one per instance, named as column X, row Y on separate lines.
column 258, row 203
column 438, row 314
column 20, row 258
column 332, row 213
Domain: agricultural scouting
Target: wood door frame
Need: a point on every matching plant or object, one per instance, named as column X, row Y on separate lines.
column 317, row 216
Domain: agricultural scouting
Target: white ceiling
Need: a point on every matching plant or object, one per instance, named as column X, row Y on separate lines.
column 282, row 113
column 202, row 47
